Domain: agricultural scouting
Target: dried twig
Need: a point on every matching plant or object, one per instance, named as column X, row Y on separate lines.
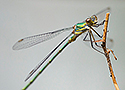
column 107, row 51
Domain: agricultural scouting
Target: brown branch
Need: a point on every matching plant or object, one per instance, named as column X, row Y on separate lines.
column 107, row 51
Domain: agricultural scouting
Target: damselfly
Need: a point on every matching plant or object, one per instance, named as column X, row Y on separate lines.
column 78, row 29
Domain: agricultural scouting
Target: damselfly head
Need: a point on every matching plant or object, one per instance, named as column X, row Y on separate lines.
column 94, row 19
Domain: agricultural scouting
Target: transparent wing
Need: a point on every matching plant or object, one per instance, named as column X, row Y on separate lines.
column 45, row 59
column 101, row 14
column 33, row 40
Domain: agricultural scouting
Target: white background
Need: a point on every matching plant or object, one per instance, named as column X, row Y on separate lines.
column 78, row 67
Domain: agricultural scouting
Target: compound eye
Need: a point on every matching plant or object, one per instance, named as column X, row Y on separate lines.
column 88, row 20
column 94, row 18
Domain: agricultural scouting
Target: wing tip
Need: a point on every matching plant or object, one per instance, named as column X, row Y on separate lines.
column 14, row 48
column 108, row 8
column 16, row 45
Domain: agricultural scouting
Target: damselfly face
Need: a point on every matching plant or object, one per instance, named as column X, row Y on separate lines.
column 92, row 20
